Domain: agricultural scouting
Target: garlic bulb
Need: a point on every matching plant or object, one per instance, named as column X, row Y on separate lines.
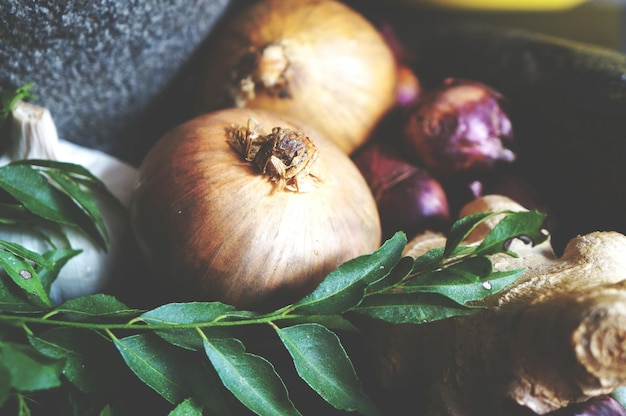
column 34, row 136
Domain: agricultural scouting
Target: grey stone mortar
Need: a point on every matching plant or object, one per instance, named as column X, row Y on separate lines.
column 114, row 73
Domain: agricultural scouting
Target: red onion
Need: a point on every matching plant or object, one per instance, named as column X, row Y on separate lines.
column 459, row 127
column 409, row 199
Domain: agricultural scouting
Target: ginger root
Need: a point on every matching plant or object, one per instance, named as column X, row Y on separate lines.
column 556, row 336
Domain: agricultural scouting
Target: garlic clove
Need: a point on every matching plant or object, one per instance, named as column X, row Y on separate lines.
column 30, row 123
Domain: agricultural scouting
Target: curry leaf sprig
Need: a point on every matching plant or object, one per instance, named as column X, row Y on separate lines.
column 37, row 192
column 41, row 197
column 200, row 357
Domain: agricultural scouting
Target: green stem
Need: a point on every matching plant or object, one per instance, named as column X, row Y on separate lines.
column 27, row 330
column 202, row 335
column 137, row 324
column 110, row 334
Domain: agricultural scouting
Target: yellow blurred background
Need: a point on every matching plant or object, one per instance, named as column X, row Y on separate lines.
column 503, row 4
column 599, row 22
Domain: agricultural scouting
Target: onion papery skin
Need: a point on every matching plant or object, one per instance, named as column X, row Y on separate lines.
column 216, row 229
column 460, row 128
column 341, row 74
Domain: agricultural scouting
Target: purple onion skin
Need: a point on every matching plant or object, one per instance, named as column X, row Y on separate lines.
column 409, row 199
column 459, row 127
column 597, row 406
column 413, row 205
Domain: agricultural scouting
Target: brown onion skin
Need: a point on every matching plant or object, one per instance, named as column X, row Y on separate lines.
column 341, row 73
column 215, row 229
column 459, row 127
column 408, row 198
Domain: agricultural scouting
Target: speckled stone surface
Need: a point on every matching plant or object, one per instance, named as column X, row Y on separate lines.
column 114, row 73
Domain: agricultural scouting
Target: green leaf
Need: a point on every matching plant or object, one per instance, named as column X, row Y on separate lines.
column 177, row 314
column 188, row 407
column 25, row 277
column 344, row 288
column 399, row 273
column 322, row 362
column 75, row 172
column 251, row 379
column 191, row 312
column 90, row 362
column 473, row 268
column 468, row 291
column 9, row 99
column 12, row 299
column 106, row 411
column 462, row 228
column 149, row 361
column 30, row 371
column 23, row 252
column 98, row 305
column 468, row 270
column 430, row 260
column 5, row 383
column 95, row 226
column 525, row 224
column 190, row 338
column 434, row 258
column 416, row 308
column 77, row 184
column 56, row 260
column 174, row 373
column 37, row 194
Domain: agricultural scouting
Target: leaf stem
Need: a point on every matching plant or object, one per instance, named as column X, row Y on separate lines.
column 27, row 329
column 136, row 323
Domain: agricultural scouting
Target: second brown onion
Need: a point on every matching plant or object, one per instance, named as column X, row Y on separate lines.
column 250, row 208
column 318, row 61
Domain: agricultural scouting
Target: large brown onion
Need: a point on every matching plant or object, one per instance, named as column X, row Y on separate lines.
column 315, row 60
column 215, row 227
